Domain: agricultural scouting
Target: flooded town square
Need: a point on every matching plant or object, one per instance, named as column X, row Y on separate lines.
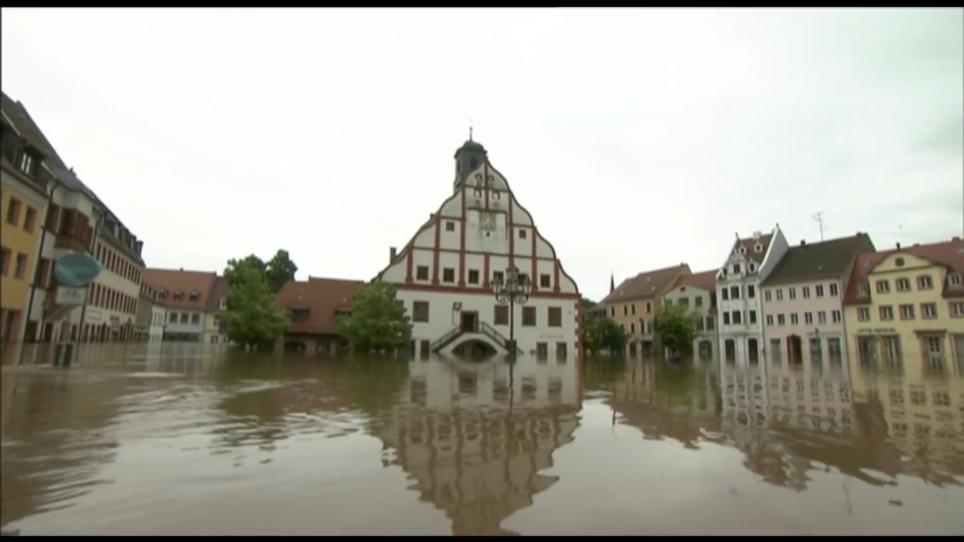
column 168, row 438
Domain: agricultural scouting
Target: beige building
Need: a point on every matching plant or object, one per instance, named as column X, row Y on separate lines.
column 907, row 304
column 698, row 293
column 634, row 303
column 803, row 301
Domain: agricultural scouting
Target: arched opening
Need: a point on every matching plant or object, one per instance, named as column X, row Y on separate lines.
column 474, row 350
column 729, row 347
column 705, row 350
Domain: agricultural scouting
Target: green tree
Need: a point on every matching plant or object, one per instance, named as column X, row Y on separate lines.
column 602, row 333
column 280, row 269
column 252, row 319
column 675, row 326
column 376, row 321
column 235, row 267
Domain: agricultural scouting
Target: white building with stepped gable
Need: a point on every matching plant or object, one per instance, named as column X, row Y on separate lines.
column 444, row 273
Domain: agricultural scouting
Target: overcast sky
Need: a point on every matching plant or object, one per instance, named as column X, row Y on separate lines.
column 637, row 138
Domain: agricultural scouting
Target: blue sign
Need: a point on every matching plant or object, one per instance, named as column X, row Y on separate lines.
column 77, row 270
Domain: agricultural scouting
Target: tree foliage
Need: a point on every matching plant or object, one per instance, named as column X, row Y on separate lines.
column 675, row 327
column 376, row 321
column 602, row 333
column 251, row 317
column 236, row 267
column 280, row 269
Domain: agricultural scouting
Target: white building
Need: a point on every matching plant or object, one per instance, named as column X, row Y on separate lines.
column 443, row 273
column 738, row 296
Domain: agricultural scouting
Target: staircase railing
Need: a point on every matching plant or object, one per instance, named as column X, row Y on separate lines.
column 445, row 339
column 499, row 338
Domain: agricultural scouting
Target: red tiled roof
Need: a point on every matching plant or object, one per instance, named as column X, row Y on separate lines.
column 218, row 290
column 949, row 254
column 322, row 297
column 703, row 279
column 750, row 244
column 171, row 280
column 648, row 284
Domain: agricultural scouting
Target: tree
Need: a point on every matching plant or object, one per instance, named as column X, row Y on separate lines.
column 376, row 321
column 675, row 326
column 602, row 333
column 235, row 267
column 280, row 269
column 252, row 319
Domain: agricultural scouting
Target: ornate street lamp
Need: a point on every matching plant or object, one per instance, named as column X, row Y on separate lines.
column 515, row 288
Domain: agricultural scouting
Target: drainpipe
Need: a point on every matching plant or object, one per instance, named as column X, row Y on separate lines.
column 40, row 249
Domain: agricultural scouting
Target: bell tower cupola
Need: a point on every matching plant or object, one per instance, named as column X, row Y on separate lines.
column 468, row 157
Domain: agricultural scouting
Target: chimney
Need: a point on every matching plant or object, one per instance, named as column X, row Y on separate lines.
column 391, row 254
column 756, row 235
column 803, row 242
column 898, row 245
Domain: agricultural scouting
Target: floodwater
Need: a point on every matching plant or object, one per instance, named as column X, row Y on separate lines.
column 200, row 439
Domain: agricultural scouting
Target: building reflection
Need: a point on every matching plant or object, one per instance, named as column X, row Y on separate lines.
column 475, row 436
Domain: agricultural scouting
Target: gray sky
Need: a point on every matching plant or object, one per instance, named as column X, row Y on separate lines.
column 638, row 138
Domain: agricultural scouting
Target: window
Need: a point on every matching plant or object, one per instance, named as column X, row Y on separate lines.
column 667, row 302
column 822, row 317
column 26, row 163
column 561, row 352
column 612, row 311
column 794, row 319
column 792, row 292
column 863, row 288
column 781, row 320
column 544, row 281
column 766, row 295
column 883, row 286
column 709, row 323
column 43, row 270
column 735, row 292
column 750, row 291
column 806, row 292
column 449, row 225
column 501, row 315
column 163, row 295
column 836, row 317
column 632, row 329
column 498, row 276
column 928, row 310
column 833, row 289
column 178, row 295
column 4, row 260
column 815, row 350
column 736, row 269
column 779, row 294
column 955, row 279
column 555, row 317
column 684, row 302
column 625, row 310
column 528, row 316
column 13, row 212
column 737, row 317
column 21, row 266
column 775, row 350
column 957, row 310
column 448, row 274
column 886, row 312
column 924, row 282
column 30, row 220
column 184, row 316
column 420, row 311
column 473, row 276
column 752, row 317
column 726, row 318
column 522, row 233
column 172, row 318
column 698, row 301
column 819, row 289
column 770, row 320
column 906, row 312
column 863, row 314
column 195, row 318
column 903, row 284
column 195, row 296
column 724, row 293
column 421, row 272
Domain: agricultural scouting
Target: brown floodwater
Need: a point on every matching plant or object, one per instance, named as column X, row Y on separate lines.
column 200, row 439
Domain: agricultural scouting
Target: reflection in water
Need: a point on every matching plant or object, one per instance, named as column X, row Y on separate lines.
column 138, row 438
column 475, row 436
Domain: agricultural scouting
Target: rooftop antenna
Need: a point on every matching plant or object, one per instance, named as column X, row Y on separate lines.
column 818, row 216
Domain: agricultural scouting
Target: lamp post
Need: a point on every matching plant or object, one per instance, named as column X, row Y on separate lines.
column 514, row 288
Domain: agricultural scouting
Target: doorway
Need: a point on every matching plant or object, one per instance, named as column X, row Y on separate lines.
column 470, row 321
column 794, row 350
column 753, row 351
column 729, row 349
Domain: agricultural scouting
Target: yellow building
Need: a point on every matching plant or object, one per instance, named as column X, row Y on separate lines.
column 633, row 304
column 904, row 309
column 23, row 207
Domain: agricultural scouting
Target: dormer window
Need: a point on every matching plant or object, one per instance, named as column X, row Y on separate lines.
column 758, row 247
column 863, row 288
column 195, row 296
column 178, row 295
column 163, row 294
column 742, row 250
column 736, row 269
column 299, row 315
column 26, row 163
column 955, row 279
column 752, row 267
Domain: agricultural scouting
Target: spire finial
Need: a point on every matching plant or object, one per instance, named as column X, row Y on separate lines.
column 470, row 129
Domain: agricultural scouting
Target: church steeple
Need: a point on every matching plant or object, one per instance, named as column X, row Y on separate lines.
column 468, row 157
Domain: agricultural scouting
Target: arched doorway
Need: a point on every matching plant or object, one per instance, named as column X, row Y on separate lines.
column 474, row 349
